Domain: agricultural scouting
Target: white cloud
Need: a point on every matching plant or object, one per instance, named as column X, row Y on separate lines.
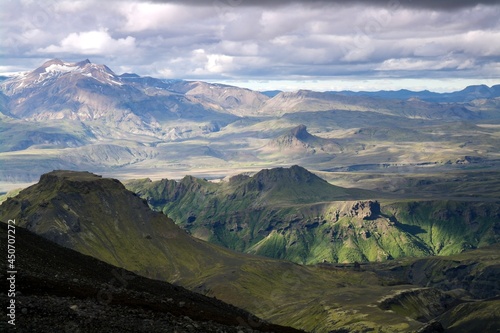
column 482, row 43
column 92, row 43
column 291, row 40
column 219, row 63
column 73, row 6
column 207, row 63
column 143, row 16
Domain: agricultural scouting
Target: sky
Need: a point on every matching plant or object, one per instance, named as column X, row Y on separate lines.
column 264, row 45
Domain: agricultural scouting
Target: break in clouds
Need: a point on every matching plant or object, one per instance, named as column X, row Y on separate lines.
column 251, row 40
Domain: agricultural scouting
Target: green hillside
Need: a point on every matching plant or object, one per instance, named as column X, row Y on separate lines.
column 449, row 227
column 290, row 213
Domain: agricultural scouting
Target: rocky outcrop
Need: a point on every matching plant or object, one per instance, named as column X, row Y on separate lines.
column 299, row 140
column 481, row 282
column 471, row 274
column 296, row 138
column 366, row 210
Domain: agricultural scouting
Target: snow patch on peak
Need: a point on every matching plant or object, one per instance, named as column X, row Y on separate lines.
column 61, row 68
column 52, row 62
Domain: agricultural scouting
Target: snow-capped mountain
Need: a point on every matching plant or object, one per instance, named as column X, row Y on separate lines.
column 85, row 91
column 55, row 69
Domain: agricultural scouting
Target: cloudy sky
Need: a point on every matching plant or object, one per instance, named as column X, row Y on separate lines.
column 440, row 45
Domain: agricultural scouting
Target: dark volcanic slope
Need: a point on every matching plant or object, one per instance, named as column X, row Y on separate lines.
column 61, row 290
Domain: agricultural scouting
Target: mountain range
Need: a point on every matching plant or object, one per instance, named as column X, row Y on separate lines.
column 468, row 94
column 84, row 116
column 99, row 218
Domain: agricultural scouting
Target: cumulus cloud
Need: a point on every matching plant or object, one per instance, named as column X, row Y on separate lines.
column 91, row 43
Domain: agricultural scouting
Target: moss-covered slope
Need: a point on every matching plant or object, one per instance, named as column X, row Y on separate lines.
column 61, row 290
column 290, row 213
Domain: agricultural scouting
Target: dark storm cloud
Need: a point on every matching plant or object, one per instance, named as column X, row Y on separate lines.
column 421, row 4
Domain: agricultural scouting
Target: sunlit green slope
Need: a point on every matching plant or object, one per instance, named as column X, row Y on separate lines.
column 290, row 213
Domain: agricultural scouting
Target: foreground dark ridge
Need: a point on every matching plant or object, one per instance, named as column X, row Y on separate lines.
column 59, row 289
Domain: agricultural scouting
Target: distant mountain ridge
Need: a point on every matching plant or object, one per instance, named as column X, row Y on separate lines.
column 78, row 81
column 82, row 82
column 307, row 100
column 467, row 94
column 85, row 91
column 56, row 67
column 81, row 115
